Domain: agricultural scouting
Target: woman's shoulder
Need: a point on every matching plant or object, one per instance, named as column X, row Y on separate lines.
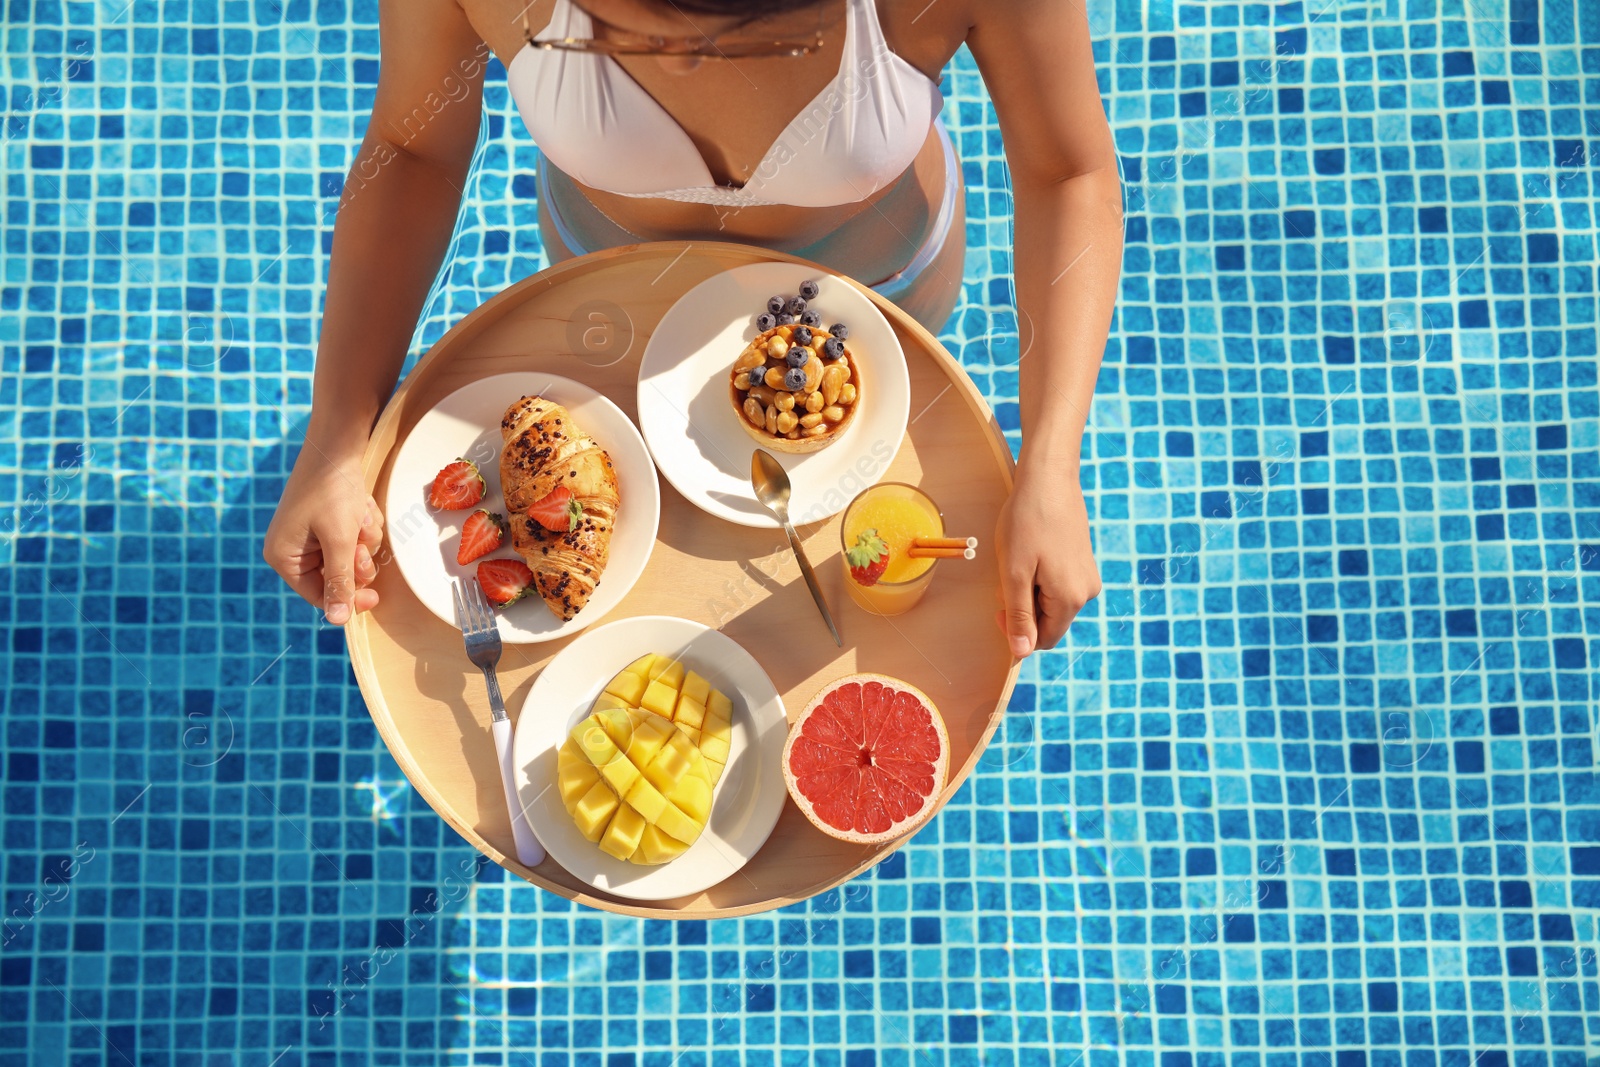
column 504, row 24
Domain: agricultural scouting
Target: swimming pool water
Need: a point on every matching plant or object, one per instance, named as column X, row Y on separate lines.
column 1312, row 783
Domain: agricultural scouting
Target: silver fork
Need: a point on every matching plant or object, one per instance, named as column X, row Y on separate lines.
column 482, row 634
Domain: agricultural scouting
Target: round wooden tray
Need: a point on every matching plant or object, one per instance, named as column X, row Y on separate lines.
column 589, row 319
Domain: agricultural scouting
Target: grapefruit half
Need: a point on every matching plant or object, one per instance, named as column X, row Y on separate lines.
column 867, row 758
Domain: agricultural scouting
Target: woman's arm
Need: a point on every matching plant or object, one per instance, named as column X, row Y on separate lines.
column 394, row 223
column 1036, row 62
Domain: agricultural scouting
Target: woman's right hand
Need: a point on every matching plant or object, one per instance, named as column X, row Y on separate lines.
column 323, row 536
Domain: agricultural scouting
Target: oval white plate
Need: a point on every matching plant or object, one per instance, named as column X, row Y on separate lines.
column 747, row 800
column 467, row 423
column 694, row 432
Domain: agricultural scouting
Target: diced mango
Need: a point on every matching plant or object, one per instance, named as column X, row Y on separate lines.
column 669, row 671
column 696, row 688
column 621, row 772
column 713, row 747
column 649, row 734
column 613, row 698
column 675, row 824
column 594, row 809
column 574, row 774
column 646, row 800
column 660, row 698
column 657, row 847
column 716, row 727
column 669, row 765
column 690, row 712
column 692, row 795
column 642, row 767
column 622, row 835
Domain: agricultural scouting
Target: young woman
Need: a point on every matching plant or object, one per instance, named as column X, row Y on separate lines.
column 803, row 125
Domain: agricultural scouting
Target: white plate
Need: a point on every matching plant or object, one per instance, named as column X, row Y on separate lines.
column 467, row 424
column 694, row 432
column 747, row 800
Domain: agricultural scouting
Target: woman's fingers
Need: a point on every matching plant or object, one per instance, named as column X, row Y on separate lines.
column 1016, row 585
column 338, row 573
column 366, row 569
column 371, row 533
column 298, row 561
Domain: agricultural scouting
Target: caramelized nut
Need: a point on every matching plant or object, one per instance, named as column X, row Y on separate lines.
column 813, row 374
column 793, row 435
column 777, row 347
column 815, row 402
column 833, row 380
column 774, row 379
column 754, row 411
column 811, row 420
column 784, row 401
column 847, row 393
column 763, row 395
column 742, row 381
column 750, row 357
column 818, row 429
column 786, row 422
column 833, row 413
column 772, row 420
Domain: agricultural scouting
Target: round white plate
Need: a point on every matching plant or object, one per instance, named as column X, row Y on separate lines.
column 747, row 800
column 467, row 424
column 694, row 432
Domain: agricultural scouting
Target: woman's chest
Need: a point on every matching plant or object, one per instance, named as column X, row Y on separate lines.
column 732, row 109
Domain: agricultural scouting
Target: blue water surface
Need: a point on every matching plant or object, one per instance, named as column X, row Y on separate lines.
column 1312, row 783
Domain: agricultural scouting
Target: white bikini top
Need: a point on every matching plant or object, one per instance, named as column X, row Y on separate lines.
column 598, row 125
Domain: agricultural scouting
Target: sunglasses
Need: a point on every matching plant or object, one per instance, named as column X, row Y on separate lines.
column 701, row 47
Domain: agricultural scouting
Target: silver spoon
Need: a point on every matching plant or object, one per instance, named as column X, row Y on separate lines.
column 771, row 483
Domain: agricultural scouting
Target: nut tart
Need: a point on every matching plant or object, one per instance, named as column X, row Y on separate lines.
column 795, row 389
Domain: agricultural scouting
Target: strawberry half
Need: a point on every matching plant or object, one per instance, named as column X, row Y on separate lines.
column 481, row 534
column 457, row 488
column 504, row 581
column 557, row 510
column 868, row 558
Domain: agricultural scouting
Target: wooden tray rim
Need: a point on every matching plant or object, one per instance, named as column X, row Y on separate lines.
column 372, row 463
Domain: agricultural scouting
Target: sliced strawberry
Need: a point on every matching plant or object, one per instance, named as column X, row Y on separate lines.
column 457, row 488
column 481, row 534
column 556, row 510
column 868, row 558
column 504, row 581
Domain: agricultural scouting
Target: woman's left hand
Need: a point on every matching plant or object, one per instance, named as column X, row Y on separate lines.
column 1047, row 567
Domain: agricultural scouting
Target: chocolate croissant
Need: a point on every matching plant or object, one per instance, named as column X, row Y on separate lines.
column 545, row 450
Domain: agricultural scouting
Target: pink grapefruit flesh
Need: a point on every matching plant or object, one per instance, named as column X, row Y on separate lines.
column 867, row 758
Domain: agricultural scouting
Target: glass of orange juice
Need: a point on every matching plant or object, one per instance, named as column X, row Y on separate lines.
column 899, row 513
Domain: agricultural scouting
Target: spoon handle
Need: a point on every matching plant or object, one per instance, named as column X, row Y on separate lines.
column 811, row 582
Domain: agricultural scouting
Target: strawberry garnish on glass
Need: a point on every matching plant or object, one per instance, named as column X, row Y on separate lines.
column 868, row 558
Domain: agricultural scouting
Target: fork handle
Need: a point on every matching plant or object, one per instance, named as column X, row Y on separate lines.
column 529, row 851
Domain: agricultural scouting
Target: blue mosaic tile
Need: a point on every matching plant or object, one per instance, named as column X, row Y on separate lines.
column 1312, row 783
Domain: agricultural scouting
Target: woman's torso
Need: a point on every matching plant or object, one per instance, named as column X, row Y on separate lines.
column 733, row 111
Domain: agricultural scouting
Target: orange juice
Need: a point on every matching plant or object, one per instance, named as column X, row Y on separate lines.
column 899, row 513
